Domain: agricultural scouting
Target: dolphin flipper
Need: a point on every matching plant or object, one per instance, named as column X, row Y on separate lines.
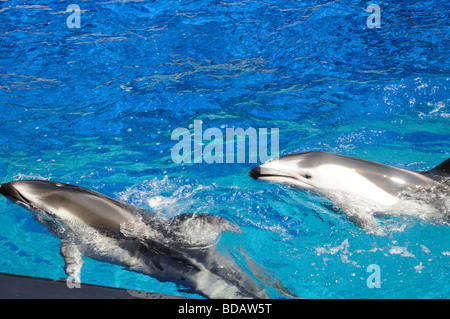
column 73, row 260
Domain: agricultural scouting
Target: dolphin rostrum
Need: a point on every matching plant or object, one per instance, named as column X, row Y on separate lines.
column 181, row 249
column 352, row 183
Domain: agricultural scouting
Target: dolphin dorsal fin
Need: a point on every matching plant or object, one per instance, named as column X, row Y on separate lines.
column 200, row 230
column 441, row 169
column 204, row 220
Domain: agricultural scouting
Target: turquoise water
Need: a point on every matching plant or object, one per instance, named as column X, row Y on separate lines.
column 96, row 106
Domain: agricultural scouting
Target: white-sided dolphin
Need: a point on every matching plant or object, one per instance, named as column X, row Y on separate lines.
column 348, row 181
column 180, row 250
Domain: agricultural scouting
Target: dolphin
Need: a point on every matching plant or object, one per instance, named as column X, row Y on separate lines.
column 181, row 249
column 362, row 188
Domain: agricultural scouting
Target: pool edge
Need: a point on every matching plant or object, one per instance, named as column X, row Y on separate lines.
column 13, row 286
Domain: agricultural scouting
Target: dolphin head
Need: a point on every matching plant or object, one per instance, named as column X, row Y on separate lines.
column 294, row 169
column 66, row 202
column 30, row 194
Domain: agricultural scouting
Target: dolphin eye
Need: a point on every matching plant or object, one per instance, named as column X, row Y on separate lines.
column 307, row 176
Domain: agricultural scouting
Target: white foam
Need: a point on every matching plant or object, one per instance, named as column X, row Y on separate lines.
column 402, row 251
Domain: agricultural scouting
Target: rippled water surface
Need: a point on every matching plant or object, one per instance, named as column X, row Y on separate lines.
column 96, row 106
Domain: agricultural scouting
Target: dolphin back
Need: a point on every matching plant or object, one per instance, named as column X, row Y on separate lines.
column 93, row 208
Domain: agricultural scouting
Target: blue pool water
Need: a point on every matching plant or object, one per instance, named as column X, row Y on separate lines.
column 96, row 106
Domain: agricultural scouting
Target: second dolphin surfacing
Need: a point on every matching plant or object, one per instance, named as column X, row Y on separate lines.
column 181, row 249
column 364, row 189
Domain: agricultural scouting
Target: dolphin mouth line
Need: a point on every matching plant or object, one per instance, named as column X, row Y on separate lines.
column 9, row 191
column 256, row 174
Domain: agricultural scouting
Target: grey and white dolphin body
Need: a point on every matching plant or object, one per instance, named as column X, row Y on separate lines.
column 181, row 250
column 364, row 189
